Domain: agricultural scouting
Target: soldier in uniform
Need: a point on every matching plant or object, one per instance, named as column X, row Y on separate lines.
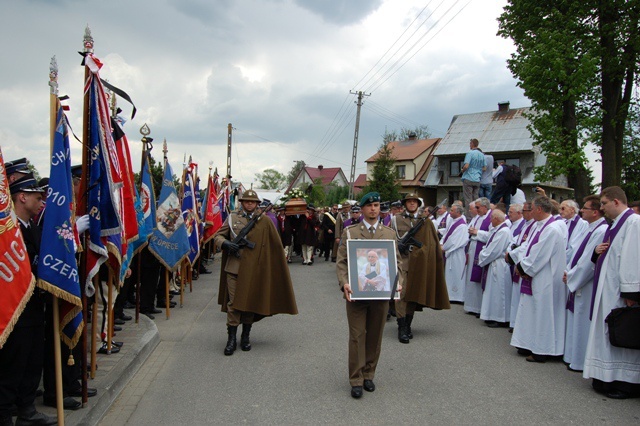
column 366, row 318
column 422, row 268
column 250, row 277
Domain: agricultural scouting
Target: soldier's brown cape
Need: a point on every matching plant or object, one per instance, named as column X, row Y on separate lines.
column 425, row 284
column 264, row 284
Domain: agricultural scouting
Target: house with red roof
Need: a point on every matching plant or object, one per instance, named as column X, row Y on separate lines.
column 327, row 175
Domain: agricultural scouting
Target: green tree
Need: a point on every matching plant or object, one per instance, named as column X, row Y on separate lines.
column 556, row 66
column 314, row 192
column 293, row 173
column 384, row 175
column 631, row 157
column 271, row 179
column 336, row 194
column 578, row 63
column 421, row 132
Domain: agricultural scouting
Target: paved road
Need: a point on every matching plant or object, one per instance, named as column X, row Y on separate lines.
column 454, row 371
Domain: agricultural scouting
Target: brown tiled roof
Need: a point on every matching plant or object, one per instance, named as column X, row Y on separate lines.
column 326, row 173
column 361, row 181
column 409, row 149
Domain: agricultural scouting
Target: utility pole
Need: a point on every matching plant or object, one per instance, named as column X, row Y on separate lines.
column 229, row 134
column 355, row 142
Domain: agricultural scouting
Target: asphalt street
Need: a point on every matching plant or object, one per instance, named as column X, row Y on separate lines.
column 455, row 370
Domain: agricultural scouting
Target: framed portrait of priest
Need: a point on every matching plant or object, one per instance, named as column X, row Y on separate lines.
column 372, row 269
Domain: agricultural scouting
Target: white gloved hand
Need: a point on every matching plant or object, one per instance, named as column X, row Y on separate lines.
column 82, row 224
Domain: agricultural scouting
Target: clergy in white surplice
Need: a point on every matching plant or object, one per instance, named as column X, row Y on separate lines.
column 579, row 280
column 442, row 220
column 478, row 236
column 576, row 226
column 540, row 323
column 615, row 371
column 496, row 278
column 454, row 243
column 518, row 240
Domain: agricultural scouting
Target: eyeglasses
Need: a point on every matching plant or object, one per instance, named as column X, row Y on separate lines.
column 587, row 208
column 526, row 210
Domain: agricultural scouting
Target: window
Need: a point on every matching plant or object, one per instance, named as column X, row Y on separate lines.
column 455, row 168
column 400, row 172
column 454, row 196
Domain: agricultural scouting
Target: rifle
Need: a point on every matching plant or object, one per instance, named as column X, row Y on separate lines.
column 407, row 242
column 241, row 238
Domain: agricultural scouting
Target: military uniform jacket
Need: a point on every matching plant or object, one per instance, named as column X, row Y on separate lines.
column 423, row 268
column 359, row 231
column 263, row 283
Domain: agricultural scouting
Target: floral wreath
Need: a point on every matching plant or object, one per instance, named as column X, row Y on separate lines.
column 296, row 193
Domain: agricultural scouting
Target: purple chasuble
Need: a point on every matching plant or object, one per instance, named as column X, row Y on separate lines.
column 273, row 218
column 485, row 269
column 476, row 271
column 387, row 220
column 572, row 295
column 609, row 236
column 525, row 287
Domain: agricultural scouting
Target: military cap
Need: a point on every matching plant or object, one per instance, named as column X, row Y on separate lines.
column 265, row 203
column 411, row 196
column 311, row 207
column 44, row 183
column 371, row 197
column 16, row 166
column 27, row 183
column 250, row 195
column 355, row 209
column 397, row 204
column 76, row 171
column 385, row 206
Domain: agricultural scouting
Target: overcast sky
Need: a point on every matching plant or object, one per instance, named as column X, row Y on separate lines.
column 279, row 70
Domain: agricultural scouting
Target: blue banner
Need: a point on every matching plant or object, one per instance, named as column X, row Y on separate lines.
column 58, row 269
column 190, row 216
column 169, row 241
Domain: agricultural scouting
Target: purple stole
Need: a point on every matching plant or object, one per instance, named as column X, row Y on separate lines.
column 453, row 227
column 485, row 269
column 476, row 271
column 349, row 222
column 525, row 287
column 387, row 220
column 273, row 218
column 609, row 236
column 572, row 295
column 572, row 227
column 515, row 278
column 519, row 228
column 443, row 221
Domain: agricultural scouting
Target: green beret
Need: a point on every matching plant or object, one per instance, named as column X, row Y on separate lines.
column 371, row 197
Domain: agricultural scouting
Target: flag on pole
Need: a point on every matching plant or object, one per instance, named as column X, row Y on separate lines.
column 105, row 181
column 57, row 268
column 190, row 215
column 169, row 241
column 16, row 279
column 215, row 207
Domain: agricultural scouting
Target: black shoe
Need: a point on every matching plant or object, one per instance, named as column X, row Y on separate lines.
column 148, row 315
column 245, row 343
column 125, row 317
column 524, row 352
column 409, row 319
column 117, row 328
column 103, row 349
column 118, row 321
column 35, row 418
column 369, row 386
column 116, row 344
column 618, row 394
column 68, row 403
column 150, row 311
column 204, row 271
column 537, row 358
column 231, row 340
column 356, row 391
column 403, row 337
column 164, row 305
column 129, row 305
column 333, row 260
column 91, row 392
column 174, row 293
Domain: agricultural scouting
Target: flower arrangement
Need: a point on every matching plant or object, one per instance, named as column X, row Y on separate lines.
column 296, row 193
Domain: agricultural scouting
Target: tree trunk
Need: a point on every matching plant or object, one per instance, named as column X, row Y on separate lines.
column 577, row 177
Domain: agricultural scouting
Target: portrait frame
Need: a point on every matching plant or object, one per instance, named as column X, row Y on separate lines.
column 372, row 281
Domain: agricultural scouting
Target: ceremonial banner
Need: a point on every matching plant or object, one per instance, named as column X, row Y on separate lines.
column 190, row 216
column 57, row 268
column 16, row 279
column 214, row 208
column 169, row 241
column 105, row 181
column 147, row 199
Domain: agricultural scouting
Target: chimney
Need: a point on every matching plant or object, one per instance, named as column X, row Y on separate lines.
column 413, row 136
column 320, row 167
column 503, row 106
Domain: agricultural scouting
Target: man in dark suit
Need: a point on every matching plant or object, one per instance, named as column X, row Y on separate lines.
column 366, row 317
column 21, row 357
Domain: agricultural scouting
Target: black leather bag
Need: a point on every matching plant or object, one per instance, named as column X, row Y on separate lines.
column 624, row 327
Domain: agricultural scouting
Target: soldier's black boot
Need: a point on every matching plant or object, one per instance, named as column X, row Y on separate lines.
column 231, row 340
column 245, row 344
column 409, row 319
column 402, row 330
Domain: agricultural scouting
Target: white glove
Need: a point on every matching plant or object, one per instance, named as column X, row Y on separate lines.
column 82, row 224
